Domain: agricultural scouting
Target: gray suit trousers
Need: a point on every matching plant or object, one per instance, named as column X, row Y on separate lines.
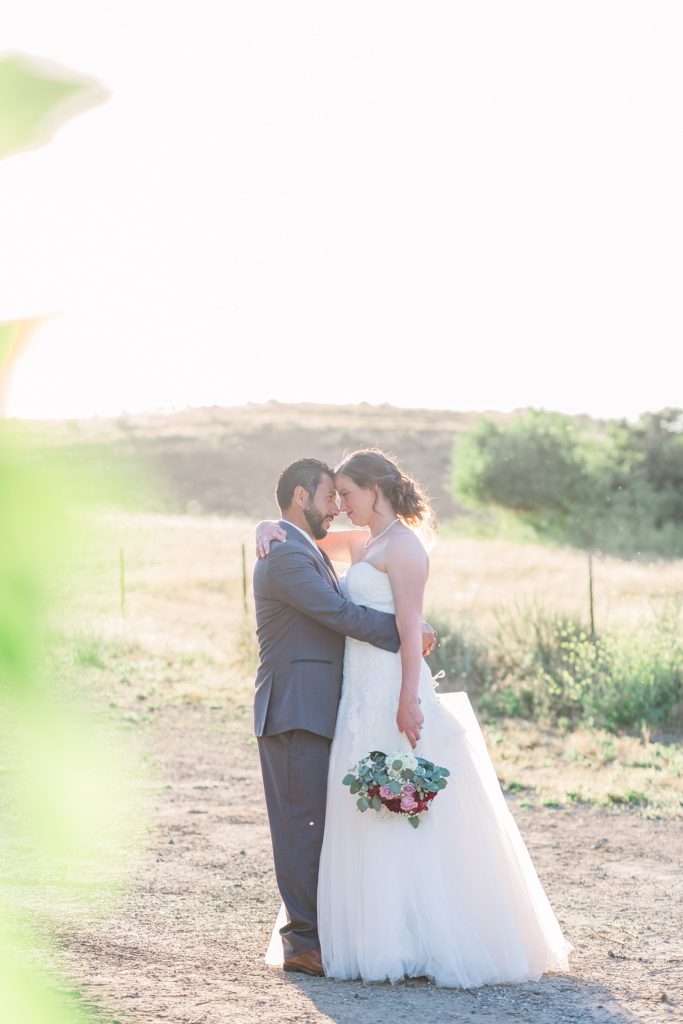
column 294, row 765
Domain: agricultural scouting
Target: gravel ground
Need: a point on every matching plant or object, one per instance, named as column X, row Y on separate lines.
column 186, row 942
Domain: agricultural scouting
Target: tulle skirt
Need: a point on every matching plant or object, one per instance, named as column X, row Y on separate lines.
column 458, row 899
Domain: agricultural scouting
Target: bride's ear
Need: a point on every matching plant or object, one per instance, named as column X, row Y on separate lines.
column 375, row 491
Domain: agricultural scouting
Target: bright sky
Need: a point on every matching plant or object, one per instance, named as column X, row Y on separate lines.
column 457, row 205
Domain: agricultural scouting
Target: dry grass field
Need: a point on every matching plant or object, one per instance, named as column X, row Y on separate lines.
column 185, row 629
column 226, row 460
column 185, row 941
column 176, row 930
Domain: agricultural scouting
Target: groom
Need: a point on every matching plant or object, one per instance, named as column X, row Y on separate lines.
column 302, row 619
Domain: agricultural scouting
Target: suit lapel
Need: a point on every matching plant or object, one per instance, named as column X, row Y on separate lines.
column 330, row 569
column 294, row 534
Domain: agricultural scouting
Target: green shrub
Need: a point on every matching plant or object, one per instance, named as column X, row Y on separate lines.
column 460, row 654
column 615, row 487
column 546, row 667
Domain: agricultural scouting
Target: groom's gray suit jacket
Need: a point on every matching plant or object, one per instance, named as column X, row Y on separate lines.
column 302, row 619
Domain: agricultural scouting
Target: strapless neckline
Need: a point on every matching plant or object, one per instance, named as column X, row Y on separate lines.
column 368, row 588
column 363, row 561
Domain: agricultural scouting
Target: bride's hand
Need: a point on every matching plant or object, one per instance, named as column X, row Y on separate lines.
column 266, row 532
column 410, row 719
column 429, row 636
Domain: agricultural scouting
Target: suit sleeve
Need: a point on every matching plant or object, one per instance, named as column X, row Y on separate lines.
column 294, row 580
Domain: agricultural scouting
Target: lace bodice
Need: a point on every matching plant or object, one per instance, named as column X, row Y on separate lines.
column 372, row 676
column 364, row 584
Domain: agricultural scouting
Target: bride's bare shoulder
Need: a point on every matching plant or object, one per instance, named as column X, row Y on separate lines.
column 405, row 549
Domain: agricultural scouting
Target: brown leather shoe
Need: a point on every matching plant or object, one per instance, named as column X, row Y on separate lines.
column 308, row 963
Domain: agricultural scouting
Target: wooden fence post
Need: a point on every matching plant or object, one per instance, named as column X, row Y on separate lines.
column 590, row 593
column 122, row 581
column 244, row 578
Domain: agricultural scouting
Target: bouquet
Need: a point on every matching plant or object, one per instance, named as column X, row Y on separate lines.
column 401, row 782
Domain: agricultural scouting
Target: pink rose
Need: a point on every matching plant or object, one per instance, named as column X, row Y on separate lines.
column 408, row 803
column 409, row 789
column 386, row 793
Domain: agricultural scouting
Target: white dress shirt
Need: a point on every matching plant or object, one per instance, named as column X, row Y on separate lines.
column 304, row 534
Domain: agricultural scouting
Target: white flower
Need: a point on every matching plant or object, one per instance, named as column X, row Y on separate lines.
column 406, row 760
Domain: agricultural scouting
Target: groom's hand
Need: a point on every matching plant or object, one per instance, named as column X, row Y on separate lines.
column 410, row 719
column 266, row 532
column 429, row 636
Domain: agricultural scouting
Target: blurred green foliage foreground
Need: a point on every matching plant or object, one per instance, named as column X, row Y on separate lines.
column 36, row 96
column 66, row 809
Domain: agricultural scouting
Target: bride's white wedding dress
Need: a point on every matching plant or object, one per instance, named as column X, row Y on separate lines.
column 457, row 899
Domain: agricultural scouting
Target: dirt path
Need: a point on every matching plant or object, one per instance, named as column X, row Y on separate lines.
column 187, row 942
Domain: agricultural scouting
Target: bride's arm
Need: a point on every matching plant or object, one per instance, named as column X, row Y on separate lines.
column 344, row 545
column 266, row 532
column 407, row 568
column 339, row 545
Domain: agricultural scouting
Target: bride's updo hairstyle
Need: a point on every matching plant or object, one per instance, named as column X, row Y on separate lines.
column 371, row 467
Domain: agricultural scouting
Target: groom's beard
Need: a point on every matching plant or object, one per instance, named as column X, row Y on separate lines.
column 316, row 521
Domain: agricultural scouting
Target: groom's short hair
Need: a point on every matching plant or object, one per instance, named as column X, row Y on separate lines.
column 306, row 473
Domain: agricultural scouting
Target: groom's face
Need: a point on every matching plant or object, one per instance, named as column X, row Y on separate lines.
column 322, row 508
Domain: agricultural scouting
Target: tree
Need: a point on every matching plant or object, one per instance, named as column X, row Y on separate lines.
column 553, row 473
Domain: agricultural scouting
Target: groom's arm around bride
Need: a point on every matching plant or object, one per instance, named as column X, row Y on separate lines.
column 302, row 619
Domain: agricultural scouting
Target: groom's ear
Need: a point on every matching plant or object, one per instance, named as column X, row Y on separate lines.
column 300, row 496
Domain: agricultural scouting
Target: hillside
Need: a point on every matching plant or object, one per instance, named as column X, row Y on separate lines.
column 226, row 460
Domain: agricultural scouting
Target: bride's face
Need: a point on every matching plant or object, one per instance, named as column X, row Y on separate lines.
column 356, row 501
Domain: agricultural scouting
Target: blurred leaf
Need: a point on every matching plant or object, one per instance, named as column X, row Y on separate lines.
column 13, row 334
column 36, row 97
column 67, row 801
column 25, row 995
column 33, row 527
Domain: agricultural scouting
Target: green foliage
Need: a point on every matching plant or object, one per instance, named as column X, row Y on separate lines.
column 618, row 488
column 375, row 773
column 10, row 338
column 64, row 791
column 544, row 666
column 25, row 998
column 632, row 796
column 460, row 653
column 535, row 466
column 66, row 799
column 31, row 521
column 36, row 96
column 88, row 652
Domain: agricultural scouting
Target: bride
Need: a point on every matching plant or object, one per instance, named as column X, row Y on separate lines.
column 457, row 899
